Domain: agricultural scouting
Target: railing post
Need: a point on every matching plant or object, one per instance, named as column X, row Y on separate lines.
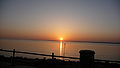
column 13, row 57
column 52, row 55
column 106, row 64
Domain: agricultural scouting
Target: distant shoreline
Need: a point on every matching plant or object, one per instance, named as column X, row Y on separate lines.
column 64, row 41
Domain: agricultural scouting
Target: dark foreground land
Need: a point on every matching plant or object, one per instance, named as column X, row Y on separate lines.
column 20, row 62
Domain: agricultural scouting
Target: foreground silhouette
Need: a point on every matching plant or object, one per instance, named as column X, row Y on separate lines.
column 52, row 63
column 86, row 61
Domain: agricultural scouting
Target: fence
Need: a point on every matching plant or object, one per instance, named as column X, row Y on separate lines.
column 14, row 51
column 53, row 55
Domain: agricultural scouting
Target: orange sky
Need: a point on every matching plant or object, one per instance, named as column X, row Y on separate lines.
column 50, row 20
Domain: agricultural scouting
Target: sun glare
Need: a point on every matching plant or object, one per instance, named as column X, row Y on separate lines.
column 61, row 38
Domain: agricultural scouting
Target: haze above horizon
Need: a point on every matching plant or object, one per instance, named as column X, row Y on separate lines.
column 81, row 20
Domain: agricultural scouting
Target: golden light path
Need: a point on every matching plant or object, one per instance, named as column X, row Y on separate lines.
column 61, row 48
column 61, row 45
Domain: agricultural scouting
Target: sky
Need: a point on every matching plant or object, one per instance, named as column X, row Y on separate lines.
column 80, row 20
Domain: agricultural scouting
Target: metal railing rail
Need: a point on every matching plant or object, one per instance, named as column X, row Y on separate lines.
column 38, row 54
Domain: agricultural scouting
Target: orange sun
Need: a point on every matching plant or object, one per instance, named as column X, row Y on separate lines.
column 61, row 38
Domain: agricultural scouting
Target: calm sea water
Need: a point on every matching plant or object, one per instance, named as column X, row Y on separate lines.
column 102, row 50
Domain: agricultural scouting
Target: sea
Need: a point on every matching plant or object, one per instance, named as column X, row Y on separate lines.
column 104, row 51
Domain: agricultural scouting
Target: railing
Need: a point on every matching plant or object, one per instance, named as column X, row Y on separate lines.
column 14, row 51
column 53, row 56
column 106, row 61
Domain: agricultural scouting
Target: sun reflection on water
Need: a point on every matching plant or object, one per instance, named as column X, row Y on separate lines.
column 61, row 46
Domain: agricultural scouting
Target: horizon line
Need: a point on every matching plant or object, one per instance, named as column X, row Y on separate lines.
column 107, row 42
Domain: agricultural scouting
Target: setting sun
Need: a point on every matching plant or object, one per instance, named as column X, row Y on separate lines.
column 61, row 38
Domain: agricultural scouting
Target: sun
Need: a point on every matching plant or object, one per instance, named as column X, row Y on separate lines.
column 61, row 38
